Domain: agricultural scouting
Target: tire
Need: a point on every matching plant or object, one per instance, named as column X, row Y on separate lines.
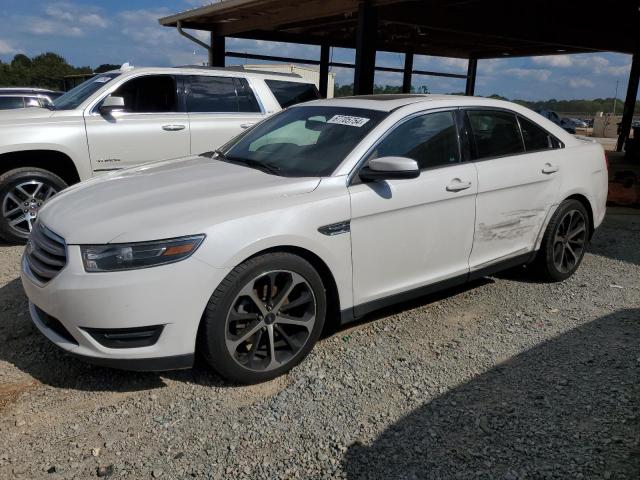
column 569, row 226
column 22, row 193
column 236, row 333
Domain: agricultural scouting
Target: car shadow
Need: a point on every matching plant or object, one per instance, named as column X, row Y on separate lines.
column 567, row 408
column 22, row 345
column 400, row 307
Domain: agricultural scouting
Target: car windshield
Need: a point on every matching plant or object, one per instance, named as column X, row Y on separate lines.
column 74, row 97
column 309, row 141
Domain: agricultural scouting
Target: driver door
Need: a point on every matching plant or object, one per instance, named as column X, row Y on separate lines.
column 407, row 234
column 153, row 126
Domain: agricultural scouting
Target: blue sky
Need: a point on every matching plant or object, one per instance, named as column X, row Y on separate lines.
column 91, row 32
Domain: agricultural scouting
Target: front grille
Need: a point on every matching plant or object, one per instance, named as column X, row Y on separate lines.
column 54, row 324
column 46, row 253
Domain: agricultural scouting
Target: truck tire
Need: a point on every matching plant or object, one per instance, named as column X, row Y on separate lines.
column 23, row 191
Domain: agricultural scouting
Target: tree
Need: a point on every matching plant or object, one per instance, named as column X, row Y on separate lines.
column 45, row 70
column 106, row 67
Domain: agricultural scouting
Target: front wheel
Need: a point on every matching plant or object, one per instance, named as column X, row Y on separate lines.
column 22, row 193
column 264, row 318
column 564, row 242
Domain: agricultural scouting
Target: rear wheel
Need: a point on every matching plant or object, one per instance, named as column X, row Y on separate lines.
column 23, row 191
column 564, row 242
column 264, row 318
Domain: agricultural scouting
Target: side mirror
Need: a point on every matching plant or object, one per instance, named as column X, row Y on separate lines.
column 111, row 104
column 390, row 168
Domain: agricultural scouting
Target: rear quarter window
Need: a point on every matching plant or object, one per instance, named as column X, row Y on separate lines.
column 291, row 93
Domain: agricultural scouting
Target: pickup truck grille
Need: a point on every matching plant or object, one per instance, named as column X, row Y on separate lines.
column 46, row 253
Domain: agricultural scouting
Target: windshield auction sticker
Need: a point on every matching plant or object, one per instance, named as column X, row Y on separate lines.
column 347, row 120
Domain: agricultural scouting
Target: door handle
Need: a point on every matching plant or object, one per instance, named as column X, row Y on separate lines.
column 173, row 128
column 458, row 185
column 247, row 125
column 548, row 169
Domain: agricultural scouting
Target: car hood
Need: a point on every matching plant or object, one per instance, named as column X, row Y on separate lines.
column 165, row 199
column 21, row 115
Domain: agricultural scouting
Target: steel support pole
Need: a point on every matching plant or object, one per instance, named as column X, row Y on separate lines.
column 324, row 71
column 217, row 51
column 630, row 101
column 365, row 49
column 471, row 77
column 406, row 74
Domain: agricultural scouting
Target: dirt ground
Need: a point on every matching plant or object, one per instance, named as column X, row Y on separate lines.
column 505, row 378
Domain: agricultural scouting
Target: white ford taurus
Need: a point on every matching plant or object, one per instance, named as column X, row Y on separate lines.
column 327, row 210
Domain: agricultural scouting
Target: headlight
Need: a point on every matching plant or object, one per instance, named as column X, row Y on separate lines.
column 129, row 256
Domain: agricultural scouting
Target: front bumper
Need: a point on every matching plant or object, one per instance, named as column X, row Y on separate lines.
column 173, row 296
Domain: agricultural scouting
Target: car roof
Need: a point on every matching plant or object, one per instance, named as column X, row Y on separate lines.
column 391, row 102
column 24, row 90
column 200, row 70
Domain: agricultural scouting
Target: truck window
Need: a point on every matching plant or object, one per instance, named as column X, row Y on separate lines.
column 7, row 103
column 210, row 94
column 290, row 93
column 149, row 94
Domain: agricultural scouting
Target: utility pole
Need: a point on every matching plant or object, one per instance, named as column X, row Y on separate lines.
column 615, row 97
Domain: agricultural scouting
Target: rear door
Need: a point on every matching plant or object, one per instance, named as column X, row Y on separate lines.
column 518, row 182
column 219, row 109
column 153, row 125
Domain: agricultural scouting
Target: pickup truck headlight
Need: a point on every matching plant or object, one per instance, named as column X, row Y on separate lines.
column 130, row 256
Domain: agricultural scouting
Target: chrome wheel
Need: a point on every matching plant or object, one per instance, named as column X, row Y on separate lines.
column 21, row 204
column 270, row 320
column 569, row 241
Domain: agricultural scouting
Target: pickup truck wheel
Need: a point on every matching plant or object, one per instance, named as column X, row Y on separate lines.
column 264, row 318
column 22, row 193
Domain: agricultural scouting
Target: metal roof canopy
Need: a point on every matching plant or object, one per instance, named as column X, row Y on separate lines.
column 472, row 29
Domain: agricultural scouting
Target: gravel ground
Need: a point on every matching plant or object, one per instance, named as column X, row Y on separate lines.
column 503, row 379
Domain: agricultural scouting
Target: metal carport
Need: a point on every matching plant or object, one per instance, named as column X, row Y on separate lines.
column 471, row 29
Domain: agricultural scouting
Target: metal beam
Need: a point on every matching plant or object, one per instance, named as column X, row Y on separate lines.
column 365, row 49
column 630, row 101
column 216, row 52
column 472, row 68
column 324, row 70
column 406, row 74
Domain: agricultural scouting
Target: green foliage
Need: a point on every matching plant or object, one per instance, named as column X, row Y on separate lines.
column 346, row 90
column 45, row 70
column 106, row 67
column 574, row 106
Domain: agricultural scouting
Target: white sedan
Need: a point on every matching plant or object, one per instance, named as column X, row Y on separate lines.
column 321, row 213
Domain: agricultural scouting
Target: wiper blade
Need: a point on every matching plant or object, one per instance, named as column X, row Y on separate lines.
column 264, row 166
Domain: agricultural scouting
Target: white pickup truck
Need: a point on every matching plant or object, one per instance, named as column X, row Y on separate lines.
column 124, row 118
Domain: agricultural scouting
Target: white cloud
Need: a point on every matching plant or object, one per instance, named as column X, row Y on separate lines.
column 529, row 73
column 65, row 19
column 47, row 27
column 554, row 61
column 6, row 48
column 581, row 83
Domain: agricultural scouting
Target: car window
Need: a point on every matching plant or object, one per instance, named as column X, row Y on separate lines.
column 8, row 103
column 74, row 97
column 31, row 102
column 290, row 93
column 494, row 133
column 304, row 141
column 149, row 94
column 247, row 101
column 535, row 137
column 212, row 94
column 431, row 140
